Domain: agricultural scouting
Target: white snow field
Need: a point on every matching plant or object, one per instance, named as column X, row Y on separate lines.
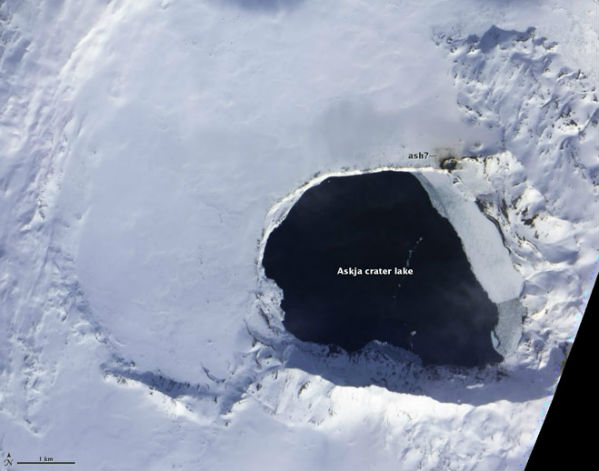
column 148, row 148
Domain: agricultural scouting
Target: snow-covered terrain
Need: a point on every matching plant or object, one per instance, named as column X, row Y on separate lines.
column 147, row 149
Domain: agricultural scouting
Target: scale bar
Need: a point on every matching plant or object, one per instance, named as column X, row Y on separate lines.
column 45, row 462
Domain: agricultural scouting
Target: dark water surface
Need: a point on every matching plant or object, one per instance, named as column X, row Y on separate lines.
column 379, row 220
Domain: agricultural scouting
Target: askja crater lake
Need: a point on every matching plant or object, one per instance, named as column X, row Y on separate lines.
column 367, row 257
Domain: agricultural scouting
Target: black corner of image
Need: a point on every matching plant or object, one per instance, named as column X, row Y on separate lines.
column 568, row 439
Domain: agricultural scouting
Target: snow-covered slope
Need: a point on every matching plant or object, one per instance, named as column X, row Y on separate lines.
column 148, row 149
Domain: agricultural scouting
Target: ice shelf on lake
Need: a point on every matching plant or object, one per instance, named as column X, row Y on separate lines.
column 489, row 258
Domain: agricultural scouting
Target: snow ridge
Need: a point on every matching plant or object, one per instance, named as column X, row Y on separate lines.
column 36, row 294
column 547, row 112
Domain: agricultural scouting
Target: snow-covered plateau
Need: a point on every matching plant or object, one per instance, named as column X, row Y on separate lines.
column 148, row 149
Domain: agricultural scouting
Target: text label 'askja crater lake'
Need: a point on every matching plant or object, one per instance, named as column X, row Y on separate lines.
column 356, row 271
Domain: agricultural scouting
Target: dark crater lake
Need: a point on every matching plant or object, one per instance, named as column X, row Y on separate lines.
column 376, row 222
